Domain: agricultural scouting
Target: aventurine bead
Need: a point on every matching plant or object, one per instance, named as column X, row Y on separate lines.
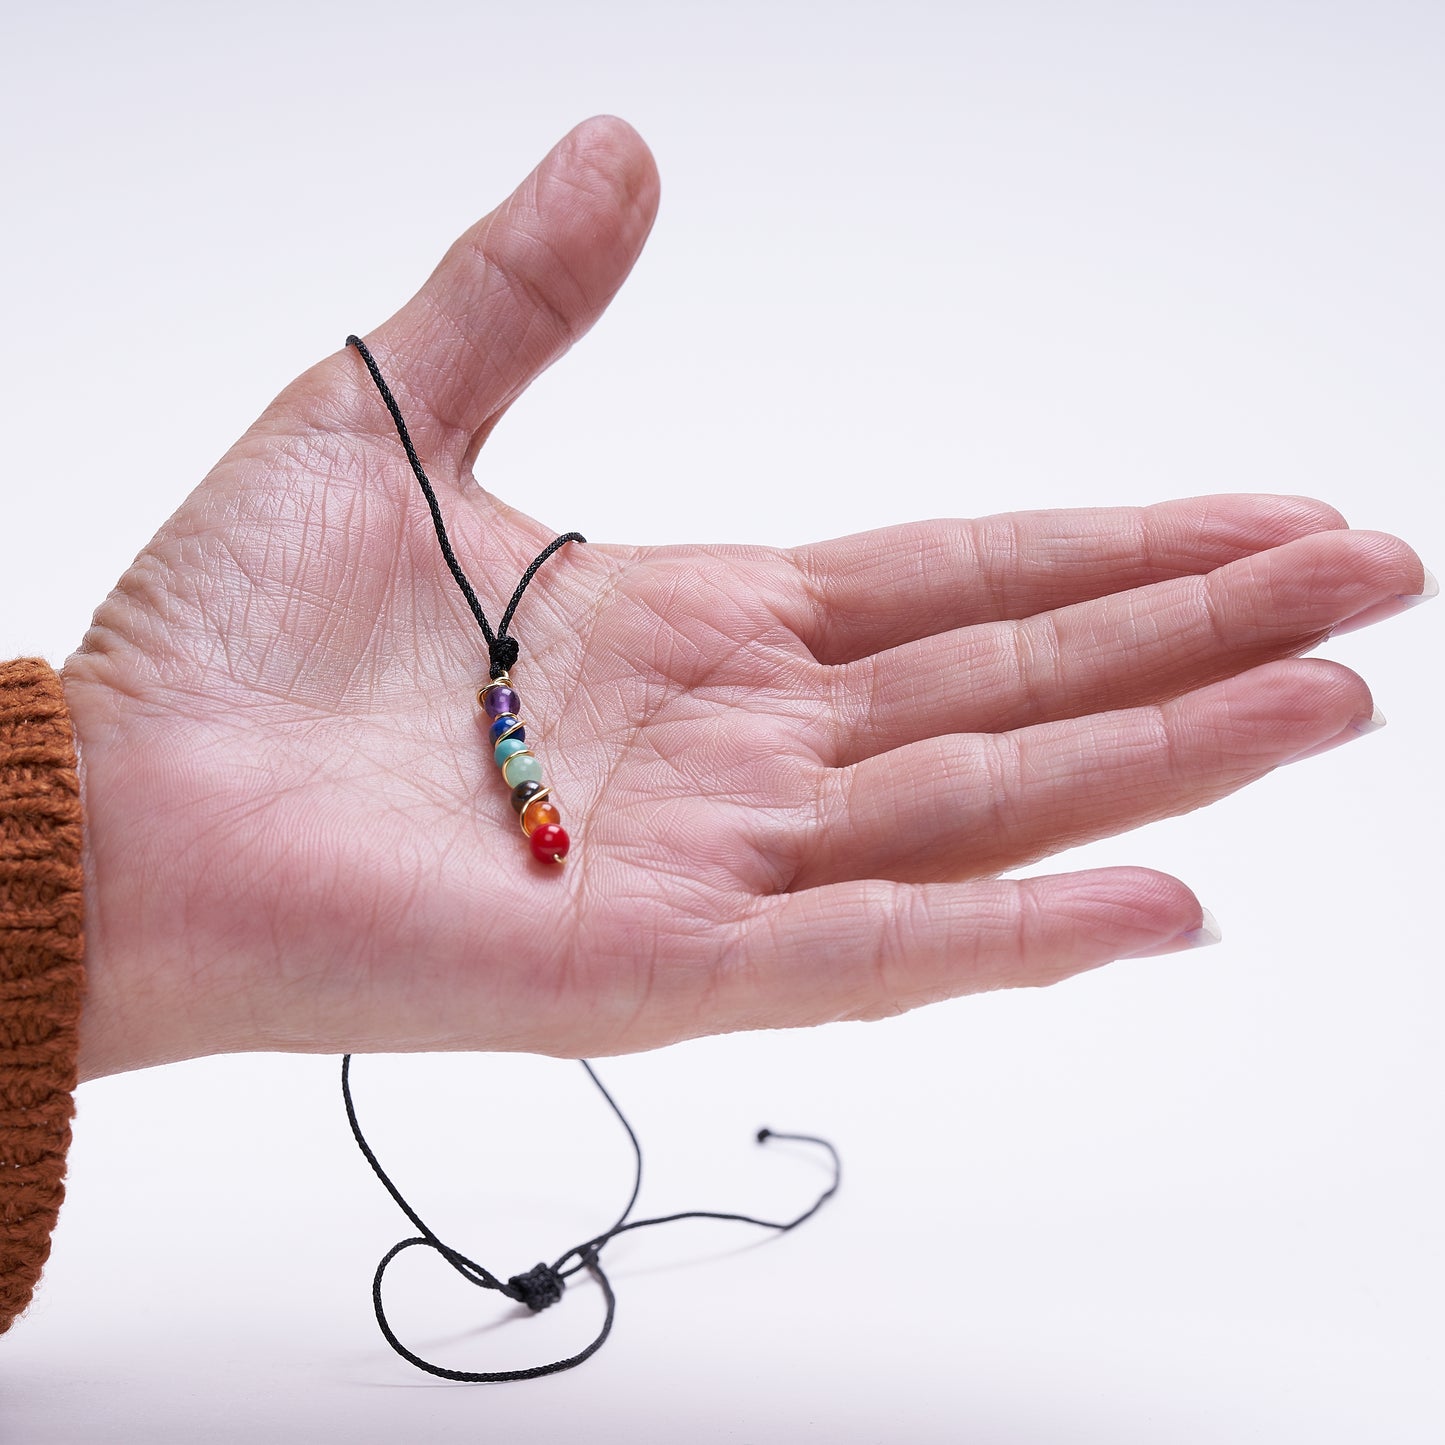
column 499, row 700
column 503, row 723
column 538, row 814
column 521, row 767
column 523, row 793
column 507, row 748
column 550, row 843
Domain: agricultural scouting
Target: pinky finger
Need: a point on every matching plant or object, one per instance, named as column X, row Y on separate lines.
column 870, row 949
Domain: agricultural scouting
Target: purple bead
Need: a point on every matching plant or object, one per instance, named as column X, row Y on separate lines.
column 500, row 700
column 505, row 721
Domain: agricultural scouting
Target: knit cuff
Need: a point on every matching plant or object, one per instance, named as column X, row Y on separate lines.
column 41, row 976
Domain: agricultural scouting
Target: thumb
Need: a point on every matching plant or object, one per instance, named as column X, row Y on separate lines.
column 515, row 291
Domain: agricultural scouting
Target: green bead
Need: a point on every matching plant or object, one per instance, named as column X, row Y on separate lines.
column 520, row 768
column 507, row 747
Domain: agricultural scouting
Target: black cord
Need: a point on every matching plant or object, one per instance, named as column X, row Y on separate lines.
column 543, row 1284
column 502, row 650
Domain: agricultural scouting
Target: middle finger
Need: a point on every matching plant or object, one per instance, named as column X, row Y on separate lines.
column 1129, row 649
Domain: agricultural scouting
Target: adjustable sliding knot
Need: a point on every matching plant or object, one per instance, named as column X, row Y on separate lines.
column 504, row 654
column 543, row 1284
column 539, row 1287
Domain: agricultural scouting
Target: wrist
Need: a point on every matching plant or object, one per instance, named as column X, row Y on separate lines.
column 136, row 1012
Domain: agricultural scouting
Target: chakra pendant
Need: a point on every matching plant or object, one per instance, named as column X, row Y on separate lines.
column 522, row 773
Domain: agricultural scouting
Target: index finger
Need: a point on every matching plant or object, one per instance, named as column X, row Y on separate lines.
column 876, row 590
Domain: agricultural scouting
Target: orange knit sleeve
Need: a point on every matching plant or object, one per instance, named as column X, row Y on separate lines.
column 41, row 975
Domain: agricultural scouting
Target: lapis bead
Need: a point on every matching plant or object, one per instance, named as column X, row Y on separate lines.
column 507, row 747
column 507, row 720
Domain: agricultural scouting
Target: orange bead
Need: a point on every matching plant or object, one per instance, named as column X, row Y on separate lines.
column 538, row 814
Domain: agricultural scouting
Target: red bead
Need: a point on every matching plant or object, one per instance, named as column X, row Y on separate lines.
column 550, row 843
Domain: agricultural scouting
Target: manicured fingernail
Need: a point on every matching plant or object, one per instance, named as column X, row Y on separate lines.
column 1428, row 589
column 1391, row 607
column 1206, row 934
column 1356, row 729
column 1371, row 724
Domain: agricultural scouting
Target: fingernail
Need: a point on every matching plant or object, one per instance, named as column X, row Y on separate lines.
column 1393, row 607
column 1428, row 589
column 1356, row 729
column 1371, row 724
column 1208, row 932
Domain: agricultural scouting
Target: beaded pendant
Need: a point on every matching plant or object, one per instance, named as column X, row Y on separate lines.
column 522, row 773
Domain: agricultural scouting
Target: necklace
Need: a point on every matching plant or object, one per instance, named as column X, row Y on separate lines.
column 501, row 707
column 543, row 1284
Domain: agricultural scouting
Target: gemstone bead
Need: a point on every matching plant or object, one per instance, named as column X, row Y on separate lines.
column 503, row 724
column 538, row 814
column 523, row 793
column 550, row 843
column 507, row 748
column 521, row 767
column 499, row 700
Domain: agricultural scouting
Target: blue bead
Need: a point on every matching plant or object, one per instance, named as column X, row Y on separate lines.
column 506, row 748
column 507, row 720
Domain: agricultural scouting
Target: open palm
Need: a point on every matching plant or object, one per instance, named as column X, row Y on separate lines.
column 791, row 778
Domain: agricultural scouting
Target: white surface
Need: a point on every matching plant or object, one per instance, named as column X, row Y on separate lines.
column 914, row 259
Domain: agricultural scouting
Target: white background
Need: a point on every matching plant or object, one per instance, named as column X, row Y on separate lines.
column 913, row 260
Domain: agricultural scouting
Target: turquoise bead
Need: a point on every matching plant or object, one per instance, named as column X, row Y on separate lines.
column 521, row 767
column 507, row 747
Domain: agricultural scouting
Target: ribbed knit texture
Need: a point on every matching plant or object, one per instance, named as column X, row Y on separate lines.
column 41, row 975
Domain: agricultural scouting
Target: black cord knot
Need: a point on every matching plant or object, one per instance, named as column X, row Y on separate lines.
column 505, row 652
column 539, row 1287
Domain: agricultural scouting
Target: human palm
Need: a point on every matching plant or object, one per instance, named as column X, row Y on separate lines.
column 791, row 778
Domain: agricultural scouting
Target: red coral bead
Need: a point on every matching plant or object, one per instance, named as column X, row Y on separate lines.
column 550, row 843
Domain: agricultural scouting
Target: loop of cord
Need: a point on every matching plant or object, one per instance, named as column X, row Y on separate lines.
column 502, row 649
column 543, row 1285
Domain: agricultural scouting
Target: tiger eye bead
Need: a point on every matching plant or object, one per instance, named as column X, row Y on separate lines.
column 523, row 794
column 538, row 814
column 550, row 843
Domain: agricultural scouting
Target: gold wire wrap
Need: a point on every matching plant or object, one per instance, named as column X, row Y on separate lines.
column 545, row 791
column 501, row 681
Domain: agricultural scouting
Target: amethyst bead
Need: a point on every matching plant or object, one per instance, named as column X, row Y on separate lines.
column 505, row 721
column 501, row 700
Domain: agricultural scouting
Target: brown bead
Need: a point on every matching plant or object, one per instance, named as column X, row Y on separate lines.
column 523, row 793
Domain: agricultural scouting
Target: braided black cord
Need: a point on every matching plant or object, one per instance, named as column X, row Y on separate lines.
column 543, row 1285
column 501, row 648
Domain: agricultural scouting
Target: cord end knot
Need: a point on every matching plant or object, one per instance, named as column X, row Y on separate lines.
column 539, row 1287
column 764, row 1135
column 504, row 654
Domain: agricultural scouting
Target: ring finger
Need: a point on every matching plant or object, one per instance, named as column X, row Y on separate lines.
column 973, row 804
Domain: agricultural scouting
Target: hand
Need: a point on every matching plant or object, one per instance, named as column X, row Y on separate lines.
column 790, row 777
